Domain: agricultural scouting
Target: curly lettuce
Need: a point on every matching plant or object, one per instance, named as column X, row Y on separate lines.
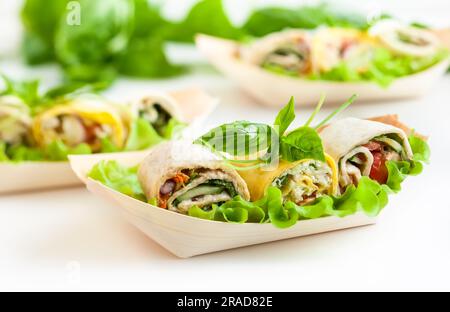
column 56, row 151
column 119, row 178
column 383, row 68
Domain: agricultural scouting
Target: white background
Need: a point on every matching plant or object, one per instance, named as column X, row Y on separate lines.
column 70, row 240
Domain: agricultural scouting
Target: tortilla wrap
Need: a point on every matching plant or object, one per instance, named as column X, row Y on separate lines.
column 167, row 102
column 89, row 109
column 168, row 159
column 344, row 138
column 258, row 52
column 258, row 180
column 15, row 120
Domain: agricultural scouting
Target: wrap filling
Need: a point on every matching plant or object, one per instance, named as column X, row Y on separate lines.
column 74, row 130
column 155, row 114
column 305, row 182
column 196, row 187
column 292, row 57
column 370, row 160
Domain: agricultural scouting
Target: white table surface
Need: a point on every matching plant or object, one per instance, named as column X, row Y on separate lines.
column 71, row 240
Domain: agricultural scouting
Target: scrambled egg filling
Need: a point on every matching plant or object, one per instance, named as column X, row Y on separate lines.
column 306, row 182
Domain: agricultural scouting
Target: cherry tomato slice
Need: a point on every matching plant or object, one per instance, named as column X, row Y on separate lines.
column 379, row 171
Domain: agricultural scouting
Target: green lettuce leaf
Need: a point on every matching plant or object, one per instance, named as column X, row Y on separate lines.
column 398, row 171
column 173, row 128
column 40, row 19
column 281, row 216
column 20, row 153
column 383, row 68
column 198, row 212
column 108, row 146
column 142, row 135
column 254, row 213
column 272, row 19
column 58, row 151
column 119, row 178
column 420, row 149
column 145, row 57
column 27, row 90
column 369, row 196
column 323, row 206
column 3, row 156
column 88, row 51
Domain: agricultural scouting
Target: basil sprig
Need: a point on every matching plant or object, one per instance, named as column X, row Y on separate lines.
column 257, row 143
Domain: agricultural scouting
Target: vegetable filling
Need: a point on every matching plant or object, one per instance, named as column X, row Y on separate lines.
column 306, row 182
column 370, row 160
column 74, row 130
column 196, row 187
column 155, row 114
column 292, row 57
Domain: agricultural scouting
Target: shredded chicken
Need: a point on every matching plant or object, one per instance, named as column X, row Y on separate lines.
column 203, row 201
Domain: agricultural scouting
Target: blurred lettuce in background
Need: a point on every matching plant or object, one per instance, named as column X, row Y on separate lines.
column 129, row 36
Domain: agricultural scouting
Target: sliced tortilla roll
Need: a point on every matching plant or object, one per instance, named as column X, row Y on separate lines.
column 301, row 182
column 406, row 39
column 362, row 147
column 81, row 120
column 289, row 50
column 180, row 175
column 158, row 109
column 331, row 46
column 15, row 120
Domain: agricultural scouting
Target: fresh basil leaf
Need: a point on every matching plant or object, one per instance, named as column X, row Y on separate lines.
column 285, row 117
column 40, row 19
column 239, row 138
column 146, row 57
column 206, row 17
column 272, row 19
column 302, row 143
column 89, row 50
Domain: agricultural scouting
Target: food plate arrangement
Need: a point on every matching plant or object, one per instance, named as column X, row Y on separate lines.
column 201, row 196
column 185, row 236
column 389, row 61
column 189, row 106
